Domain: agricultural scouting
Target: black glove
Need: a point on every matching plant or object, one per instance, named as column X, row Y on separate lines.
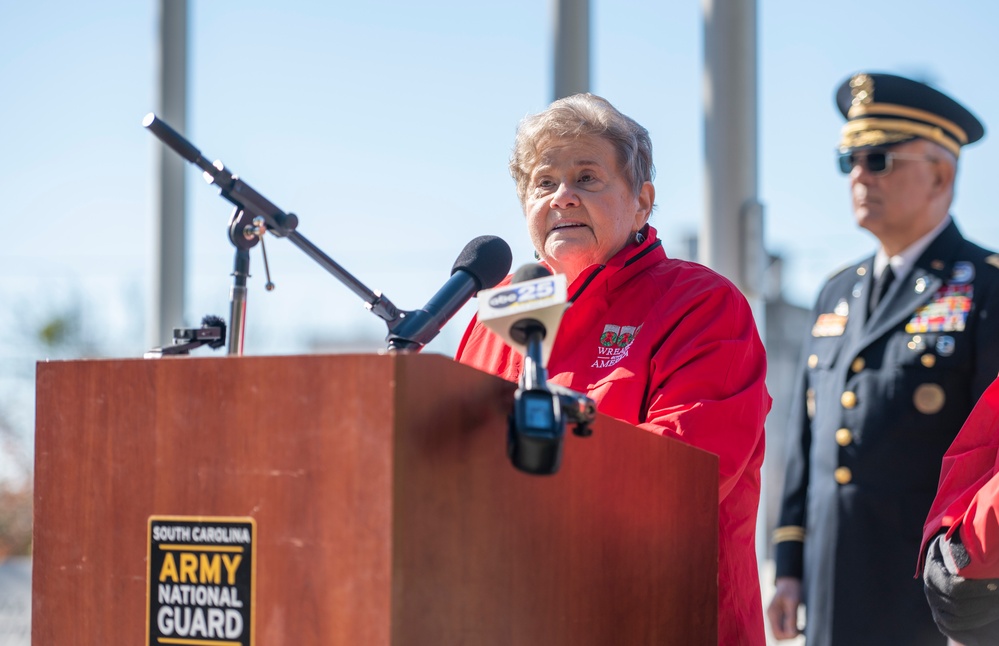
column 966, row 610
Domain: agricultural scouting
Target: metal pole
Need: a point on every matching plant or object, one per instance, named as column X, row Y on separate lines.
column 167, row 307
column 237, row 301
column 572, row 47
column 732, row 209
column 732, row 234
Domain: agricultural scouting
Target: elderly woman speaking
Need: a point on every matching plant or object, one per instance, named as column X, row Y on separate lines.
column 691, row 365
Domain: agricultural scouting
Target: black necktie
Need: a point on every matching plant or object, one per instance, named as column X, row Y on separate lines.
column 881, row 285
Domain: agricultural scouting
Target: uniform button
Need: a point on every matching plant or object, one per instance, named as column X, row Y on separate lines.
column 843, row 475
column 992, row 587
column 813, row 360
column 928, row 360
column 858, row 364
column 929, row 398
column 848, row 399
column 844, row 437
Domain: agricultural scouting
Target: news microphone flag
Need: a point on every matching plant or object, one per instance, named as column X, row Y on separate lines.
column 543, row 299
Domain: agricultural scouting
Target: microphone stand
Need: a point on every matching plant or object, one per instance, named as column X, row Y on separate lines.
column 251, row 204
column 237, row 301
column 240, row 272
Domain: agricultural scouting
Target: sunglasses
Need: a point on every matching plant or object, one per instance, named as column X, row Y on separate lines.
column 877, row 162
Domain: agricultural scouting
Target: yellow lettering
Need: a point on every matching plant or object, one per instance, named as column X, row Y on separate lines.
column 231, row 565
column 210, row 571
column 188, row 567
column 169, row 569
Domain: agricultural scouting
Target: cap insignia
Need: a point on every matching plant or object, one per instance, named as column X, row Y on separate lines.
column 862, row 89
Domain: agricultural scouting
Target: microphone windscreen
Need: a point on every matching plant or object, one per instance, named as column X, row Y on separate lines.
column 487, row 259
column 530, row 272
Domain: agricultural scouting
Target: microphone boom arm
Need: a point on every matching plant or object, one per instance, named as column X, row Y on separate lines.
column 281, row 224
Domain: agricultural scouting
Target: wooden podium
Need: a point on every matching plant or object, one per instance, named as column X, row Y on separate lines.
column 385, row 510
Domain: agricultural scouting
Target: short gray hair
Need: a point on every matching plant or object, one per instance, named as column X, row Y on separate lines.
column 577, row 116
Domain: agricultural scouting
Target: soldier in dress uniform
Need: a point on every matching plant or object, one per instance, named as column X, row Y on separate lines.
column 901, row 347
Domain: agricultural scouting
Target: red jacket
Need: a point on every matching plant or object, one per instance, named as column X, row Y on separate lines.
column 672, row 347
column 968, row 494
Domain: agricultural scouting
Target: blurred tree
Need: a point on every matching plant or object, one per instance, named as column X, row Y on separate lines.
column 55, row 330
column 15, row 496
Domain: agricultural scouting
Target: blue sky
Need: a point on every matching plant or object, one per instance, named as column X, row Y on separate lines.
column 386, row 126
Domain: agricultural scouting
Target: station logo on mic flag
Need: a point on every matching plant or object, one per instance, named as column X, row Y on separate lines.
column 543, row 299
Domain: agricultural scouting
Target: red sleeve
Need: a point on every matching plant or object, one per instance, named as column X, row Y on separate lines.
column 708, row 380
column 967, row 497
column 482, row 349
column 462, row 355
column 979, row 530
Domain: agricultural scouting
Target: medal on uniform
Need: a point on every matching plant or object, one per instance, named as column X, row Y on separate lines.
column 945, row 346
column 963, row 273
column 832, row 323
column 947, row 312
column 929, row 398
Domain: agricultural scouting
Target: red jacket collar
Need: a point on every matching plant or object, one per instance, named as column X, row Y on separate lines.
column 633, row 259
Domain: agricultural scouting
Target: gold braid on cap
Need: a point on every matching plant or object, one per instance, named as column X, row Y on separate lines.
column 875, row 132
column 870, row 123
column 892, row 110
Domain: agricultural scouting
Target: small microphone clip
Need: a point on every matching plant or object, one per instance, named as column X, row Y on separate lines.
column 211, row 333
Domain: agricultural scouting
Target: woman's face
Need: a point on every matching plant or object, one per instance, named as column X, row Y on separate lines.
column 580, row 208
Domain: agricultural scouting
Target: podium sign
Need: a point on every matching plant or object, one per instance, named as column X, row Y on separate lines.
column 200, row 580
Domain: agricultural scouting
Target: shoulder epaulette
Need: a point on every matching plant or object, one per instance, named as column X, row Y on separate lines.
column 993, row 260
column 840, row 270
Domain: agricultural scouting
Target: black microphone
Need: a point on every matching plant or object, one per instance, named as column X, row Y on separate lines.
column 540, row 410
column 531, row 332
column 528, row 272
column 482, row 264
column 537, row 426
